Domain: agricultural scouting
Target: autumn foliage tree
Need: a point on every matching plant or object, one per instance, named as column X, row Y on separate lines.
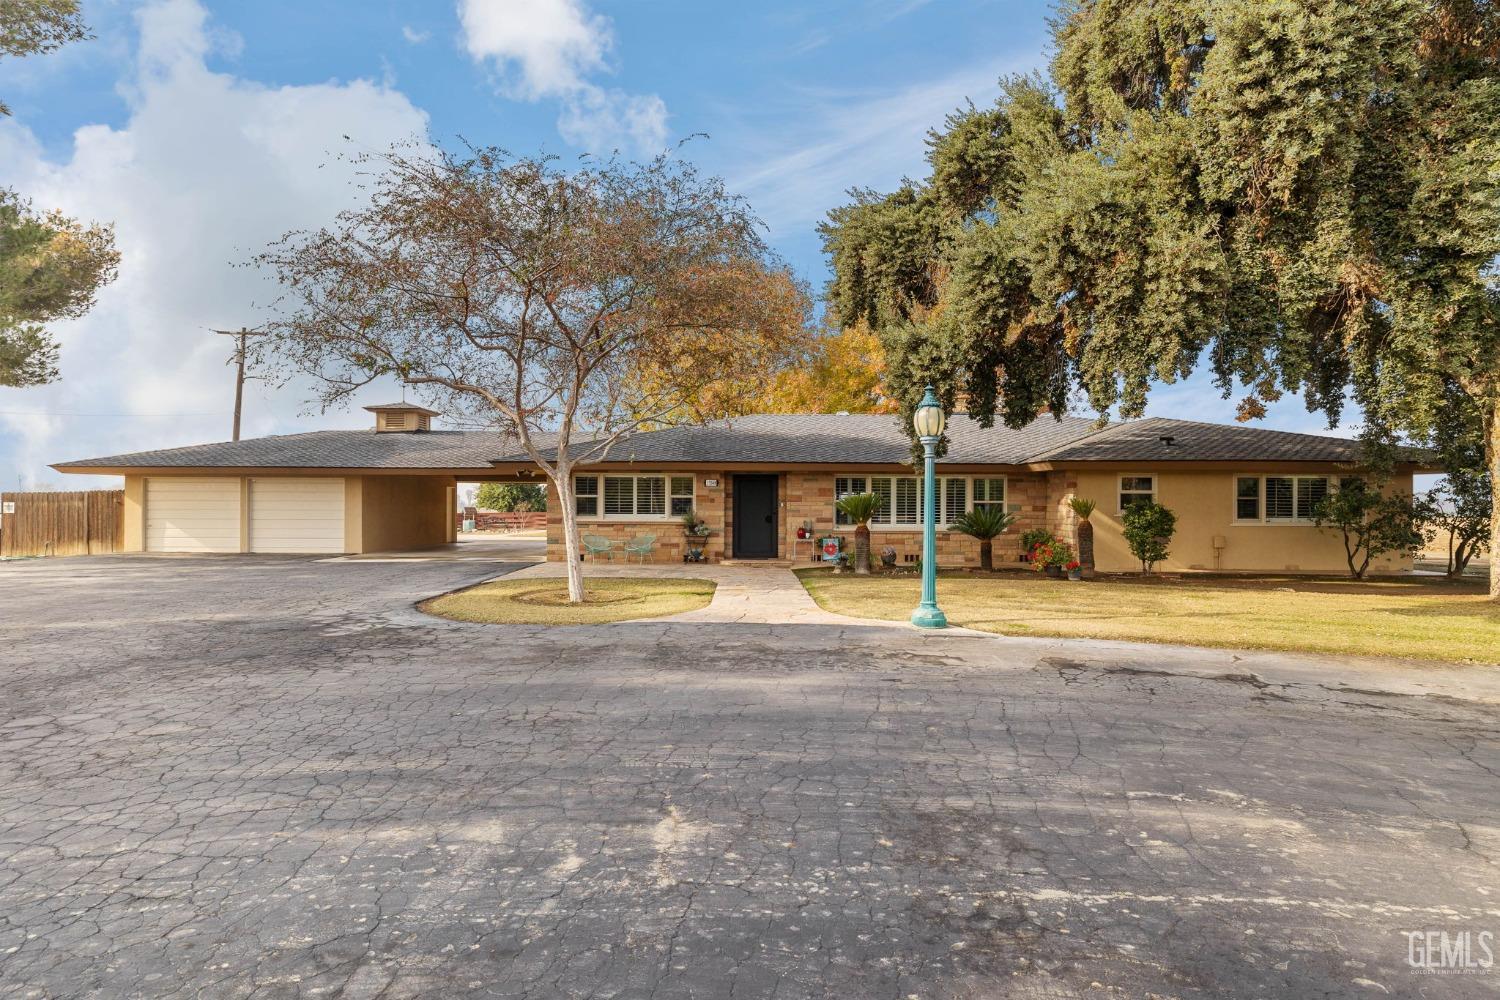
column 567, row 307
column 1302, row 197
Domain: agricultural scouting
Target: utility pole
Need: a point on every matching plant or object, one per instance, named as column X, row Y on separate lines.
column 241, row 336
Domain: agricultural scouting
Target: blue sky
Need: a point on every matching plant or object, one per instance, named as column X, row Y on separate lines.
column 205, row 129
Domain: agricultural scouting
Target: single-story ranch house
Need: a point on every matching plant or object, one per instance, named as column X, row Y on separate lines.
column 1242, row 495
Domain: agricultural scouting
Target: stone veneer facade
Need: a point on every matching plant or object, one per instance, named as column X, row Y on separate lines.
column 1038, row 498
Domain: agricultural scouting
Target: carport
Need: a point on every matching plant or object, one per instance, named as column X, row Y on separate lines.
column 392, row 487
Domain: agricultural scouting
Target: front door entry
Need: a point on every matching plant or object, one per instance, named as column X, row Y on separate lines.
column 755, row 517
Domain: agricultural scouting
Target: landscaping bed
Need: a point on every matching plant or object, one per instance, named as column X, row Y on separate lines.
column 545, row 601
column 1412, row 618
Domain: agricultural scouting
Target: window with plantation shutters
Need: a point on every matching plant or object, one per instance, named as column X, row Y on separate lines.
column 633, row 497
column 1279, row 503
column 1311, row 491
column 955, row 500
column 619, row 496
column 1279, row 499
column 901, row 496
column 907, row 509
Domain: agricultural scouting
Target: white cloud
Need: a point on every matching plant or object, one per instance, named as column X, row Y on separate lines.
column 207, row 169
column 549, row 50
column 413, row 35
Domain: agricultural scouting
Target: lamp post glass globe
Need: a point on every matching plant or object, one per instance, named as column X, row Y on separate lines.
column 928, row 422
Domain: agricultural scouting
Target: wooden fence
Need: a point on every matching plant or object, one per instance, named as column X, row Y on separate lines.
column 493, row 520
column 61, row 524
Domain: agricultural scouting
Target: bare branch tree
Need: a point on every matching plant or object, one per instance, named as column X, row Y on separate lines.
column 514, row 294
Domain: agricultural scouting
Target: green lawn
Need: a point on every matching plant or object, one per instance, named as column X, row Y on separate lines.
column 545, row 601
column 1419, row 619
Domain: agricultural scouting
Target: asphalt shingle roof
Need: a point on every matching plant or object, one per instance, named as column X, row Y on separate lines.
column 805, row 439
column 1192, row 441
column 836, row 438
column 328, row 450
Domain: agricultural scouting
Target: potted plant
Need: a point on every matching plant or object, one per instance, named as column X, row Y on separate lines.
column 983, row 523
column 1083, row 510
column 859, row 508
column 888, row 557
column 1050, row 558
column 1075, row 570
column 1031, row 538
column 696, row 532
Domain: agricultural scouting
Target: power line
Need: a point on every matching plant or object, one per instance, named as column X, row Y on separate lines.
column 42, row 413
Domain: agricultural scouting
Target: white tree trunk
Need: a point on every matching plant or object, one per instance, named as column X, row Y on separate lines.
column 563, row 479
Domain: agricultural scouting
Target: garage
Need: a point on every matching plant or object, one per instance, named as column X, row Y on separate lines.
column 296, row 515
column 192, row 514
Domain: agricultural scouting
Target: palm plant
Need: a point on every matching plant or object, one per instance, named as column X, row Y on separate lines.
column 983, row 523
column 860, row 508
column 1083, row 509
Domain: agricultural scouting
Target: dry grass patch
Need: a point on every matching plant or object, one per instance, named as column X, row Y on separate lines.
column 1416, row 619
column 545, row 601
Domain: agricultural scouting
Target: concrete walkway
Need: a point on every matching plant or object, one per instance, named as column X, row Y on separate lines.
column 770, row 595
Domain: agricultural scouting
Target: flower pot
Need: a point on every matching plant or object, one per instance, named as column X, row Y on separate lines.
column 1055, row 572
column 1075, row 574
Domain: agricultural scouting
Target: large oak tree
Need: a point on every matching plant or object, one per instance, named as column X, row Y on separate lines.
column 1303, row 196
column 568, row 307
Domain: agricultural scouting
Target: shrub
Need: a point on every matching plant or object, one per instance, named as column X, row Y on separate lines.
column 1148, row 531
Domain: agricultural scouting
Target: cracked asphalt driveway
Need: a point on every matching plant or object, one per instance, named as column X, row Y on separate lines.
column 251, row 776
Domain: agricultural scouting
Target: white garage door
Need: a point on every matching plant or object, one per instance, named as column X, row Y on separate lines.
column 192, row 515
column 296, row 515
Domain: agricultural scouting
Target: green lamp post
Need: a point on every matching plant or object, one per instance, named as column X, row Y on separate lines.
column 928, row 423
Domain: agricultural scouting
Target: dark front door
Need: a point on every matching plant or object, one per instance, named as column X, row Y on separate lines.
column 755, row 517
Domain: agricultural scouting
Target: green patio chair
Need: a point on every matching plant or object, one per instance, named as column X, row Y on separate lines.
column 598, row 547
column 644, row 546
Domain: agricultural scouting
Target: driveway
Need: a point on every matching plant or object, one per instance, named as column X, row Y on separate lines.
column 257, row 776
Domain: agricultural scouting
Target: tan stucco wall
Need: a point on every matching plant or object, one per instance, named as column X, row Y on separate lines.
column 402, row 512
column 381, row 513
column 1204, row 505
column 134, row 513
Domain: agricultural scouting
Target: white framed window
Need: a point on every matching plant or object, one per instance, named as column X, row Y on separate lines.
column 1136, row 489
column 989, row 493
column 844, row 486
column 1247, row 498
column 633, row 497
column 681, row 495
column 902, row 498
column 586, row 496
column 1279, row 499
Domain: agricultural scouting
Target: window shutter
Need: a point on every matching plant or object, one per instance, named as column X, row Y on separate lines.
column 619, row 495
